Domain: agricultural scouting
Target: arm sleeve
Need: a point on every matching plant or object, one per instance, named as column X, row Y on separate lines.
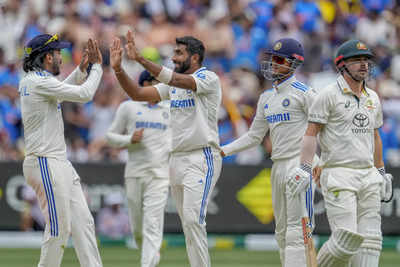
column 75, row 93
column 320, row 109
column 163, row 90
column 76, row 77
column 116, row 136
column 254, row 136
column 206, row 82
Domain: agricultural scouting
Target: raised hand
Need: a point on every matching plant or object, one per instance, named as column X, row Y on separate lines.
column 132, row 52
column 116, row 54
column 85, row 60
column 94, row 54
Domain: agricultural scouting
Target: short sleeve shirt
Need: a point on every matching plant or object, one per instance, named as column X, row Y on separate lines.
column 194, row 120
column 347, row 138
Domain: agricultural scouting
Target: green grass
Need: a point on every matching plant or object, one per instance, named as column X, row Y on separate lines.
column 171, row 257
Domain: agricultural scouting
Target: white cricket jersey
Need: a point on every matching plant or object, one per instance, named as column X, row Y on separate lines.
column 347, row 138
column 149, row 157
column 194, row 121
column 283, row 110
column 41, row 94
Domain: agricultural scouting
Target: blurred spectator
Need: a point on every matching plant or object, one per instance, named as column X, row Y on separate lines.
column 389, row 137
column 113, row 220
column 249, row 40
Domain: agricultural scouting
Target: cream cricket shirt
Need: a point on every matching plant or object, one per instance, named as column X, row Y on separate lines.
column 41, row 94
column 347, row 138
column 194, row 121
column 149, row 157
column 283, row 110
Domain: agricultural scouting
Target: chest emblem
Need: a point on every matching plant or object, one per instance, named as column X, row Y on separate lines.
column 165, row 115
column 347, row 104
column 286, row 102
column 369, row 104
column 266, row 106
column 361, row 120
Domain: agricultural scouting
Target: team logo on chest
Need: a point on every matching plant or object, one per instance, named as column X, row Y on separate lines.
column 165, row 115
column 369, row 104
column 286, row 102
column 361, row 120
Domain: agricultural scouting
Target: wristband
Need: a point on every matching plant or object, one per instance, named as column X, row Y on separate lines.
column 165, row 75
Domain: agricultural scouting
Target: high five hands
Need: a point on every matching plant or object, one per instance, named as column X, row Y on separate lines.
column 91, row 54
column 132, row 52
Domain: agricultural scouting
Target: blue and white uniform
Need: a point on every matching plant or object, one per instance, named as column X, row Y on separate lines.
column 195, row 163
column 146, row 172
column 46, row 168
column 283, row 111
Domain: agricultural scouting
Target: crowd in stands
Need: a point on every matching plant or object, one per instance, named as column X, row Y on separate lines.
column 235, row 32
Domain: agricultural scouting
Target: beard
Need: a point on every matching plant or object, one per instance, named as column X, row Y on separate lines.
column 183, row 67
column 55, row 68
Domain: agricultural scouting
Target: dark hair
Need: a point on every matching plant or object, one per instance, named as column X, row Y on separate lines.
column 193, row 46
column 35, row 62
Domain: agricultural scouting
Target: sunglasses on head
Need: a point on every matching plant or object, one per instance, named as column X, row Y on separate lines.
column 29, row 50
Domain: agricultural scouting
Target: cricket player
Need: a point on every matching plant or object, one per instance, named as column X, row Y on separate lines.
column 347, row 116
column 195, row 160
column 283, row 111
column 143, row 128
column 46, row 168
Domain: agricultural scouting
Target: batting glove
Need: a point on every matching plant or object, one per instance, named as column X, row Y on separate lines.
column 386, row 186
column 298, row 181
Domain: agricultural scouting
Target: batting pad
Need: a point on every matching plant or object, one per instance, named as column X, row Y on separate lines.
column 295, row 250
column 368, row 255
column 340, row 247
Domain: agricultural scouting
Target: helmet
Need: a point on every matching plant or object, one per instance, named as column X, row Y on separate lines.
column 287, row 48
column 351, row 48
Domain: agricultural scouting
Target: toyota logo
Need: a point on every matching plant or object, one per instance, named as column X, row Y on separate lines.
column 361, row 120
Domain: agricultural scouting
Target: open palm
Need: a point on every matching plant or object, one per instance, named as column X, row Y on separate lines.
column 116, row 54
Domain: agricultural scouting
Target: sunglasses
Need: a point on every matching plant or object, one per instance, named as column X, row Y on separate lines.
column 29, row 50
column 278, row 60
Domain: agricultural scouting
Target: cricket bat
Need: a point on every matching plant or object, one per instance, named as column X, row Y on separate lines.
column 311, row 256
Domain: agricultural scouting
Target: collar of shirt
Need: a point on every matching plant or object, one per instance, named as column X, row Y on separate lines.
column 285, row 84
column 198, row 70
column 345, row 88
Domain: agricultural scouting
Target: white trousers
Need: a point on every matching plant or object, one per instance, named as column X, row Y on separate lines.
column 62, row 202
column 193, row 176
column 147, row 197
column 288, row 214
column 352, row 201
